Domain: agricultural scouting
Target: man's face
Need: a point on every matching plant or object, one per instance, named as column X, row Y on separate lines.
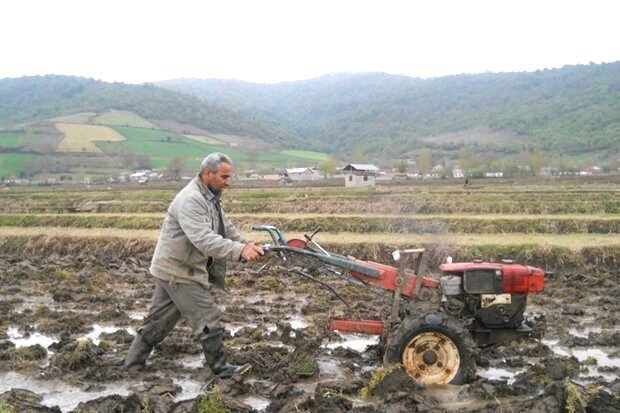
column 216, row 182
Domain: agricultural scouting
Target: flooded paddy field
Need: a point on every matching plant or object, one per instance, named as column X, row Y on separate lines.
column 70, row 309
column 70, row 305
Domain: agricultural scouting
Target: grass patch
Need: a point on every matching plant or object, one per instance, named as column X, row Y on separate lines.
column 576, row 401
column 11, row 139
column 11, row 164
column 81, row 117
column 291, row 159
column 105, row 345
column 211, row 402
column 205, row 139
column 310, row 155
column 123, row 118
column 573, row 242
column 377, row 378
column 305, row 369
column 83, row 221
column 162, row 145
column 6, row 408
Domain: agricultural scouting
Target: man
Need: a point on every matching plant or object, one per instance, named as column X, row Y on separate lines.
column 195, row 241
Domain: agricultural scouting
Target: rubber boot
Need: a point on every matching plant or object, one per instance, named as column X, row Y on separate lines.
column 215, row 355
column 137, row 354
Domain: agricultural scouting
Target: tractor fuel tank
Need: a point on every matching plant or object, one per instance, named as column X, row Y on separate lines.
column 495, row 278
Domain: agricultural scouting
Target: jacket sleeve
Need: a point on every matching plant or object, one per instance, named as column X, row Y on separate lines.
column 195, row 222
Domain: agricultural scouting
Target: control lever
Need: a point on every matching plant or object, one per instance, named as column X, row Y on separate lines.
column 309, row 238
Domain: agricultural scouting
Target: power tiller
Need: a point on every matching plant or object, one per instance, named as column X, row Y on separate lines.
column 435, row 326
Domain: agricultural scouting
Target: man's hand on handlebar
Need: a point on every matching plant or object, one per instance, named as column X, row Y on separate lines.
column 251, row 251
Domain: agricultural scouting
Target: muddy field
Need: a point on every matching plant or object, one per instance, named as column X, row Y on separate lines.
column 74, row 287
column 69, row 309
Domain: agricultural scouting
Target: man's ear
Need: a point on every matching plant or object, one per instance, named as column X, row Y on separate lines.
column 206, row 176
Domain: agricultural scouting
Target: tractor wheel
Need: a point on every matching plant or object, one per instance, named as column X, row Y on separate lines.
column 433, row 349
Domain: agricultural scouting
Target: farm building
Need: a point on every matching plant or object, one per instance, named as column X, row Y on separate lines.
column 301, row 174
column 458, row 173
column 356, row 174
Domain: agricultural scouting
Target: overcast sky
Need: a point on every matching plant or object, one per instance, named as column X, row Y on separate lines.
column 270, row 41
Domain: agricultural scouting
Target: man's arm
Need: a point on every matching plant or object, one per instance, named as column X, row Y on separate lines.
column 196, row 223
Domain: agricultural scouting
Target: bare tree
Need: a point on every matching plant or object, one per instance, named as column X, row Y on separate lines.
column 424, row 160
column 176, row 166
column 328, row 166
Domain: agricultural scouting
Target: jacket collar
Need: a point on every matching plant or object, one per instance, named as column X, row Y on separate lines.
column 205, row 191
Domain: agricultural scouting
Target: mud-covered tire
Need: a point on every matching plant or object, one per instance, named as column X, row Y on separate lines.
column 433, row 349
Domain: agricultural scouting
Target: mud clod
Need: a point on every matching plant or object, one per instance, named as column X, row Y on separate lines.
column 20, row 400
column 77, row 355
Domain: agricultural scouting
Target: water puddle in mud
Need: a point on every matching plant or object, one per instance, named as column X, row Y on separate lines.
column 58, row 393
column 98, row 330
column 454, row 398
column 193, row 362
column 259, row 298
column 30, row 302
column 444, row 393
column 497, row 373
column 584, row 355
column 256, row 402
column 190, row 388
column 329, row 369
column 136, row 315
column 355, row 342
column 234, row 328
column 297, row 322
column 21, row 340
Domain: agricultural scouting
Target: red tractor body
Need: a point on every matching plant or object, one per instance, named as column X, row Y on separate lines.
column 435, row 324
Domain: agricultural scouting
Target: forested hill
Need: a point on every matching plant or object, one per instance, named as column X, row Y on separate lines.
column 30, row 99
column 572, row 110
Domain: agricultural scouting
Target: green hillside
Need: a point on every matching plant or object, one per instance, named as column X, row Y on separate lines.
column 62, row 125
column 570, row 111
column 89, row 150
column 31, row 99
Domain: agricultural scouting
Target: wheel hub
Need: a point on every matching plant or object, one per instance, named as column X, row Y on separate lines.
column 431, row 358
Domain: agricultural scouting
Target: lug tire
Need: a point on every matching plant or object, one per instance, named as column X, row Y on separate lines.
column 433, row 349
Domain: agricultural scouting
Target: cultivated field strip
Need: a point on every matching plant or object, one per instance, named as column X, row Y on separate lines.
column 573, row 242
column 335, row 223
column 333, row 202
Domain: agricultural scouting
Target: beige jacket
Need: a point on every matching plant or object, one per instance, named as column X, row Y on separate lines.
column 189, row 240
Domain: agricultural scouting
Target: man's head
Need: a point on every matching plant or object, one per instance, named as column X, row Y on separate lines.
column 216, row 172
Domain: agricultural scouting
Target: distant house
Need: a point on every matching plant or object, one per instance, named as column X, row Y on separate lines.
column 494, row 174
column 140, row 176
column 357, row 174
column 271, row 177
column 458, row 173
column 302, row 174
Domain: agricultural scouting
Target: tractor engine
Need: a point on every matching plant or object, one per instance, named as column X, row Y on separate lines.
column 493, row 295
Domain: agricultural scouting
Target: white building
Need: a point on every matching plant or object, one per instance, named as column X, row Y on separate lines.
column 357, row 174
column 302, row 174
column 458, row 173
